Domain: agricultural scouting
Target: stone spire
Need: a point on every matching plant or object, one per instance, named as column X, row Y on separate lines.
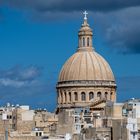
column 85, row 36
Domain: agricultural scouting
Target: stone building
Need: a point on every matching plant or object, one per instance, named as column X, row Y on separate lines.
column 86, row 97
column 85, row 81
column 46, row 121
column 6, row 118
column 23, row 119
column 19, row 122
column 86, row 76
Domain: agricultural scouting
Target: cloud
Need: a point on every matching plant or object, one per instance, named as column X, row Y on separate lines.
column 119, row 30
column 123, row 34
column 25, row 85
column 20, row 74
column 13, row 83
column 54, row 9
column 19, row 77
column 72, row 5
column 119, row 20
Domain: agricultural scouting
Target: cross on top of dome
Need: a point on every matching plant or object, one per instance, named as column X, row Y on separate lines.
column 85, row 13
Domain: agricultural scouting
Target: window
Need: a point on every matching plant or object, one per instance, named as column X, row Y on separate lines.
column 99, row 95
column 106, row 95
column 76, row 96
column 40, row 134
column 65, row 97
column 83, row 42
column 91, row 95
column 83, row 96
column 70, row 96
column 111, row 95
column 76, row 119
column 61, row 97
column 88, row 41
column 133, row 135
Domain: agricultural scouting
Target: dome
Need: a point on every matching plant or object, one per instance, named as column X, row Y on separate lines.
column 86, row 65
column 86, row 77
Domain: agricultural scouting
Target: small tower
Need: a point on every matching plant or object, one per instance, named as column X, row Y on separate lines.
column 85, row 36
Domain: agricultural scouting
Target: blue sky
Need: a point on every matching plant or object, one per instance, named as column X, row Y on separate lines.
column 37, row 37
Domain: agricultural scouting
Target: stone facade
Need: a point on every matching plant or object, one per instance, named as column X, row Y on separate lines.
column 66, row 122
column 46, row 121
column 20, row 122
column 83, row 96
column 23, row 120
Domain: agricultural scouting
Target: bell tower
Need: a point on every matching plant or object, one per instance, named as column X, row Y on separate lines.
column 85, row 35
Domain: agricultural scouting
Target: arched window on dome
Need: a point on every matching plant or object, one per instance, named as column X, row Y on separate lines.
column 70, row 96
column 61, row 94
column 111, row 96
column 99, row 95
column 76, row 96
column 83, row 96
column 106, row 95
column 91, row 95
column 65, row 97
column 58, row 97
column 83, row 42
column 88, row 41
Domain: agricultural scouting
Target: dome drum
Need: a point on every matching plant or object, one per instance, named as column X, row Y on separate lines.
column 86, row 83
column 84, row 96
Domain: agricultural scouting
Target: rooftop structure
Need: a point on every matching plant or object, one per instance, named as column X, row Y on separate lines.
column 86, row 76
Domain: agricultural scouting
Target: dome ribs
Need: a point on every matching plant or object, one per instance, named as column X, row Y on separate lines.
column 82, row 72
column 86, row 66
column 93, row 67
column 65, row 68
column 72, row 71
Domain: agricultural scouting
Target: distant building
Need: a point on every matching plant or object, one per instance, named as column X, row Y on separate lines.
column 21, row 122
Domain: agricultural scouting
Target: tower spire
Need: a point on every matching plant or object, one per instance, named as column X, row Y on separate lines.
column 85, row 35
column 85, row 13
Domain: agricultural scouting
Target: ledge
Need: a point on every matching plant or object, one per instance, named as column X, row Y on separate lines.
column 86, row 83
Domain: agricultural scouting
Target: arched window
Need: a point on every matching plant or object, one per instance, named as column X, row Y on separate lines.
column 88, row 41
column 111, row 96
column 106, row 95
column 76, row 96
column 61, row 94
column 99, row 95
column 91, row 95
column 83, row 42
column 83, row 96
column 70, row 96
column 65, row 97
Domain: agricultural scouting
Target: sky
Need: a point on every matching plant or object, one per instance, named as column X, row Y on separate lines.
column 38, row 36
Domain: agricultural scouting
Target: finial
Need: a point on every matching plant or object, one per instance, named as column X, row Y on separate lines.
column 85, row 13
